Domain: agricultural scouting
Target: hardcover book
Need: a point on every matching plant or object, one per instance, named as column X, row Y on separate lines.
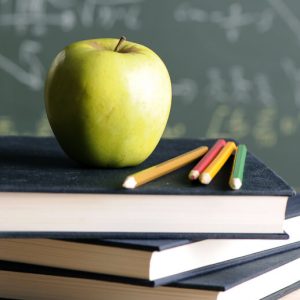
column 265, row 278
column 45, row 194
column 159, row 261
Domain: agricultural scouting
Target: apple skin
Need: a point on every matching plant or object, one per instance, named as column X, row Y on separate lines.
column 108, row 108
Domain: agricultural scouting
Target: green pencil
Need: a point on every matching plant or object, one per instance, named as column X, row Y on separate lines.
column 236, row 178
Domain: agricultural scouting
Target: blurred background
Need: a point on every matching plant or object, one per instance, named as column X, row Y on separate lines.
column 234, row 65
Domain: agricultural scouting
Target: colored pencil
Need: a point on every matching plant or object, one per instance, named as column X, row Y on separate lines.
column 213, row 168
column 206, row 159
column 237, row 174
column 163, row 168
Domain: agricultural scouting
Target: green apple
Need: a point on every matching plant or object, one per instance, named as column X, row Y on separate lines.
column 108, row 101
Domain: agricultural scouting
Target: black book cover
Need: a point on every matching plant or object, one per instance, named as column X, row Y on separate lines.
column 220, row 280
column 29, row 164
column 283, row 292
column 227, row 278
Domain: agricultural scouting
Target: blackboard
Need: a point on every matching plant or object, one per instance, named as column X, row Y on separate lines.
column 235, row 65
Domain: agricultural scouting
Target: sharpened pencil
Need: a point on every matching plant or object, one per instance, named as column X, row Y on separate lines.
column 163, row 168
column 206, row 159
column 213, row 168
column 237, row 174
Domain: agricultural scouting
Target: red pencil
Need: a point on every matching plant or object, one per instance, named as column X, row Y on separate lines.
column 206, row 159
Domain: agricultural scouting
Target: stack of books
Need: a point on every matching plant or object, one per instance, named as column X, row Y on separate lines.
column 69, row 232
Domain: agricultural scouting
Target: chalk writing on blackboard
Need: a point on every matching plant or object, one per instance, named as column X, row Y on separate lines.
column 293, row 74
column 185, row 89
column 233, row 86
column 7, row 125
column 266, row 128
column 175, row 131
column 37, row 16
column 232, row 21
column 289, row 125
column 109, row 12
column 227, row 122
column 33, row 16
column 29, row 71
column 287, row 15
column 42, row 127
column 241, row 87
column 264, row 90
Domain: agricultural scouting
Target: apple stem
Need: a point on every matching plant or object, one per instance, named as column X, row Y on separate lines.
column 121, row 40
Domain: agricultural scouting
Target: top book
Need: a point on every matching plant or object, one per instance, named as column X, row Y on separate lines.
column 43, row 191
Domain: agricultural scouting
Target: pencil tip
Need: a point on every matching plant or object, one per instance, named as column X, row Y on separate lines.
column 129, row 183
column 194, row 174
column 235, row 183
column 205, row 178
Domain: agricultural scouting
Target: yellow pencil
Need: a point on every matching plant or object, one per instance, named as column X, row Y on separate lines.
column 163, row 168
column 213, row 168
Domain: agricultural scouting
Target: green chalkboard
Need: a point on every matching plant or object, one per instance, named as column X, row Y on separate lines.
column 235, row 65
